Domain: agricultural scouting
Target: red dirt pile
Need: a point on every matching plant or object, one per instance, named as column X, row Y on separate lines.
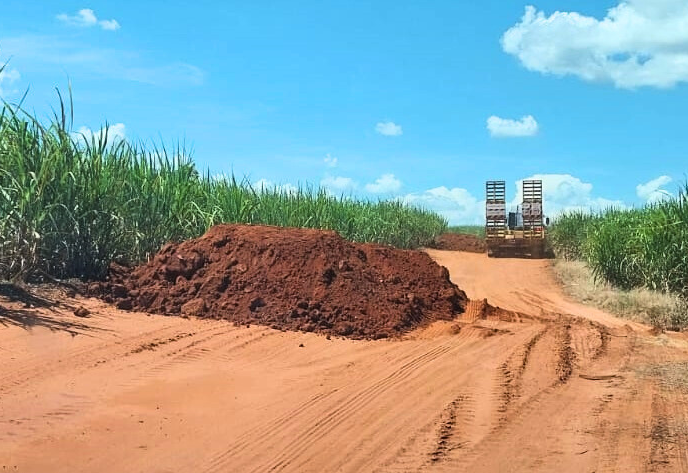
column 460, row 242
column 286, row 278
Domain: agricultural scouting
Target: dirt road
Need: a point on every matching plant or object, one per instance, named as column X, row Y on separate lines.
column 556, row 386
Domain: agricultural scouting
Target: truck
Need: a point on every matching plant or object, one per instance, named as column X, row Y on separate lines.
column 521, row 232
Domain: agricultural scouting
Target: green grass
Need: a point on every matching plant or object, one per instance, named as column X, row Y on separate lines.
column 69, row 207
column 477, row 230
column 568, row 234
column 636, row 248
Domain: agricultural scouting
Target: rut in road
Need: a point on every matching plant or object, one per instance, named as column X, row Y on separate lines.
column 542, row 384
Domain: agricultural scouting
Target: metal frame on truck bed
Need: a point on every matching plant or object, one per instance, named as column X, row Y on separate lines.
column 517, row 234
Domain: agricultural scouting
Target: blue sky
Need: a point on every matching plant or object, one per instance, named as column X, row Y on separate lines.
column 416, row 100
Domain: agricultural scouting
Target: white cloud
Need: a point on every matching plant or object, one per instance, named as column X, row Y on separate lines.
column 338, row 184
column 457, row 205
column 561, row 192
column 638, row 43
column 507, row 128
column 110, row 25
column 331, row 161
column 652, row 191
column 7, row 78
column 87, row 18
column 50, row 51
column 385, row 184
column 389, row 129
column 115, row 133
column 564, row 192
column 84, row 17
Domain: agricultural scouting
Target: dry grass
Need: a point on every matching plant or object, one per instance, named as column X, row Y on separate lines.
column 672, row 376
column 665, row 311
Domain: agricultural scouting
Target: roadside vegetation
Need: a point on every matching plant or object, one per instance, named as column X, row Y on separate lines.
column 665, row 311
column 645, row 248
column 71, row 204
column 477, row 230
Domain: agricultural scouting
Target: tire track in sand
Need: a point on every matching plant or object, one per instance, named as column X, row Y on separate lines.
column 336, row 415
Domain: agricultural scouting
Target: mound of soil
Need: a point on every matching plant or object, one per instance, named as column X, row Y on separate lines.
column 460, row 242
column 286, row 278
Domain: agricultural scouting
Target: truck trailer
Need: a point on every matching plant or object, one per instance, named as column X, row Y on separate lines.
column 519, row 233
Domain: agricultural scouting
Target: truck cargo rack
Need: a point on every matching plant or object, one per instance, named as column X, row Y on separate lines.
column 495, row 209
column 505, row 239
column 532, row 209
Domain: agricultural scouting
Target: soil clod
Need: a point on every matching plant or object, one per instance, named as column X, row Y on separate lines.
column 82, row 312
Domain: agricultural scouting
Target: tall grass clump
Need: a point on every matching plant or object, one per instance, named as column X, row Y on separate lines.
column 568, row 235
column 663, row 244
column 644, row 247
column 70, row 204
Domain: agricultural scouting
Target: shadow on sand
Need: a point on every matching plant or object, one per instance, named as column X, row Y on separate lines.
column 38, row 311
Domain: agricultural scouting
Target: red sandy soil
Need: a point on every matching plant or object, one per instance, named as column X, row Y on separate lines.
column 460, row 242
column 544, row 384
column 291, row 279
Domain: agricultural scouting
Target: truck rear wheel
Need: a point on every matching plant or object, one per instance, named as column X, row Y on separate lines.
column 537, row 252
